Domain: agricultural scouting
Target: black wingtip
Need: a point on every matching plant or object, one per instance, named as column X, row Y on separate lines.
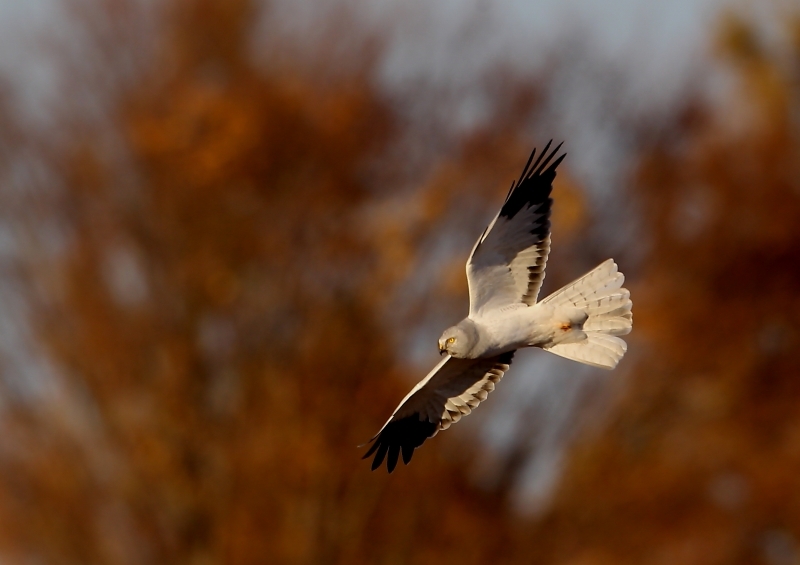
column 393, row 454
column 535, row 183
column 408, row 451
column 526, row 167
column 539, row 168
column 539, row 160
column 510, row 190
column 555, row 164
column 399, row 437
column 379, row 456
column 528, row 171
column 372, row 448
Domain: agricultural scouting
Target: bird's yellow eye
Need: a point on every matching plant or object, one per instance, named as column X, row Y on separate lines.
column 451, row 340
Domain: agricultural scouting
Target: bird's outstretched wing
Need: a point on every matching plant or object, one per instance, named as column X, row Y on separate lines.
column 451, row 390
column 507, row 263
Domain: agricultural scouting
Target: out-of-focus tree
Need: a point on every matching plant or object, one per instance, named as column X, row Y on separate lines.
column 700, row 462
column 206, row 276
column 218, row 275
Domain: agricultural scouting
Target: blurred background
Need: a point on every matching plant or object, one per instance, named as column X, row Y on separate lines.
column 231, row 231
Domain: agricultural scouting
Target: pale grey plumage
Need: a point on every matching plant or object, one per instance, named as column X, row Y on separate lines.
column 505, row 271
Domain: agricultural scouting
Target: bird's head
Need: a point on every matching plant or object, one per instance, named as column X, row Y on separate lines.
column 455, row 341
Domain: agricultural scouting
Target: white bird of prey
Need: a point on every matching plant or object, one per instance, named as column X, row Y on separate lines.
column 581, row 321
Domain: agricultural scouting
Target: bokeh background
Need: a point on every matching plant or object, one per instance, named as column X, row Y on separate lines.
column 231, row 231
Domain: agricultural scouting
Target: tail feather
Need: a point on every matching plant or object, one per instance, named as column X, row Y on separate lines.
column 600, row 295
column 597, row 350
column 595, row 284
column 610, row 326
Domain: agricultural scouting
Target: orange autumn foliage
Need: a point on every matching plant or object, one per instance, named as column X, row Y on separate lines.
column 207, row 276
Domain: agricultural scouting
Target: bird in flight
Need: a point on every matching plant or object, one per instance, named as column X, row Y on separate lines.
column 582, row 321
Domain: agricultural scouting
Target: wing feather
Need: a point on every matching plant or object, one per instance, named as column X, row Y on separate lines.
column 453, row 389
column 508, row 261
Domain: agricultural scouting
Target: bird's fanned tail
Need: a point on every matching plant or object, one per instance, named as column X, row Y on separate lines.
column 600, row 295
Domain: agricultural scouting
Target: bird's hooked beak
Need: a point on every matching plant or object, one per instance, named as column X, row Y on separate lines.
column 442, row 348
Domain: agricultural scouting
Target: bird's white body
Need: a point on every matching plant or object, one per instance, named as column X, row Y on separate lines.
column 518, row 326
column 581, row 321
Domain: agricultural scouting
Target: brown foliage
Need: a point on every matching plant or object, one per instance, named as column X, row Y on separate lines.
column 214, row 322
column 215, row 313
column 700, row 462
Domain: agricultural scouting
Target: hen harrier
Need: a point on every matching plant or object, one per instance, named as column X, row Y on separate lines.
column 504, row 272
